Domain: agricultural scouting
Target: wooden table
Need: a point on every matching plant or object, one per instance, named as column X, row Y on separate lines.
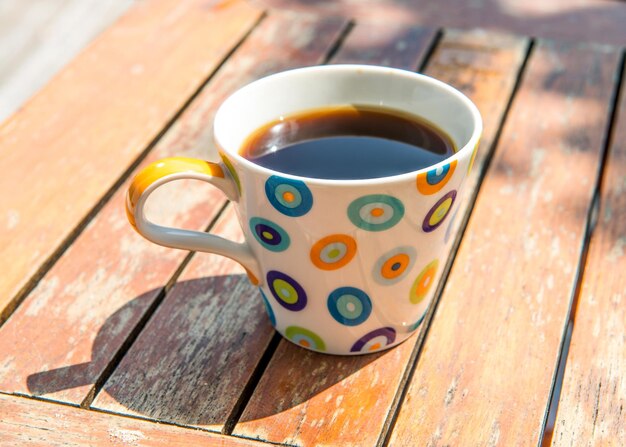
column 107, row 339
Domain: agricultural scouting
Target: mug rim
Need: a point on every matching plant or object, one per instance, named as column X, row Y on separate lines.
column 469, row 146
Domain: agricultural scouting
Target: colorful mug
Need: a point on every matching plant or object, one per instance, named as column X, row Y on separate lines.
column 343, row 266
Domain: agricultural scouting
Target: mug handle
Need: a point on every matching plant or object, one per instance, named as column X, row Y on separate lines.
column 176, row 168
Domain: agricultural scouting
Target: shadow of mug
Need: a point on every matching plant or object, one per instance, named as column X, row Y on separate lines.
column 198, row 358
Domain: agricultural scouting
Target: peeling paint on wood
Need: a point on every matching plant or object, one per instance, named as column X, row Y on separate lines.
column 65, row 333
column 27, row 422
column 71, row 142
column 311, row 399
column 393, row 46
column 592, row 407
column 499, row 322
column 195, row 356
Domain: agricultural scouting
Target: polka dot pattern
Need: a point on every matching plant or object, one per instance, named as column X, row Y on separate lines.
column 290, row 197
column 423, row 282
column 333, row 252
column 394, row 265
column 305, row 338
column 433, row 180
column 286, row 290
column 376, row 212
column 269, row 234
column 437, row 214
column 375, row 340
column 349, row 306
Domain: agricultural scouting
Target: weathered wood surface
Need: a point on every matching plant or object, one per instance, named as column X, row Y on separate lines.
column 312, row 399
column 194, row 358
column 27, row 422
column 38, row 37
column 398, row 46
column 220, row 390
column 61, row 339
column 600, row 21
column 486, row 370
column 592, row 409
column 72, row 142
column 217, row 323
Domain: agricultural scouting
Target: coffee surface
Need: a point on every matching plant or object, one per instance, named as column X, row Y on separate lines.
column 347, row 142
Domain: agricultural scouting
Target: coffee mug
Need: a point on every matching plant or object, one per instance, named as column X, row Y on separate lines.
column 343, row 266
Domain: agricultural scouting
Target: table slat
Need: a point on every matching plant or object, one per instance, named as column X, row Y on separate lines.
column 393, row 46
column 27, row 422
column 593, row 397
column 211, row 332
column 244, row 336
column 194, row 358
column 61, row 339
column 485, row 373
column 326, row 400
column 68, row 146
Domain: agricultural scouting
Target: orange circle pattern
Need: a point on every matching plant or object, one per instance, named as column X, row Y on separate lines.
column 348, row 243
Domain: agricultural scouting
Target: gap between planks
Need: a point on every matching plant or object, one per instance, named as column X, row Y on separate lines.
column 471, row 200
column 145, row 318
column 78, row 229
column 124, row 416
column 592, row 219
column 267, row 355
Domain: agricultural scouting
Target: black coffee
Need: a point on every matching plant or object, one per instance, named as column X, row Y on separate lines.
column 347, row 142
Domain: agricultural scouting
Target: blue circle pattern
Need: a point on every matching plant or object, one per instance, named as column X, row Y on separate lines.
column 349, row 306
column 269, row 235
column 268, row 308
column 301, row 198
column 433, row 178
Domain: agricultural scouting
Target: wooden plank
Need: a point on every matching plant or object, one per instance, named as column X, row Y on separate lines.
column 345, row 401
column 68, row 147
column 37, row 38
column 592, row 409
column 599, row 21
column 61, row 339
column 168, row 398
column 485, row 373
column 399, row 46
column 27, row 422
column 211, row 327
column 211, row 333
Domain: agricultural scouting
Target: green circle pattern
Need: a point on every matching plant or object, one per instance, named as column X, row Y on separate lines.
column 305, row 337
column 394, row 211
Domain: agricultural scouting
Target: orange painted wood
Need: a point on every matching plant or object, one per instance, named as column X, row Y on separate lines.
column 485, row 372
column 27, row 422
column 60, row 340
column 195, row 356
column 592, row 408
column 398, row 46
column 312, row 399
column 68, row 146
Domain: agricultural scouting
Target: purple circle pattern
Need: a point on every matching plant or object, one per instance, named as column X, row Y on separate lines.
column 426, row 225
column 388, row 333
column 298, row 301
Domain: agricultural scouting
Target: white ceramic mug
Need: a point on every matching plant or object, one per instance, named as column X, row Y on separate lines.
column 343, row 266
